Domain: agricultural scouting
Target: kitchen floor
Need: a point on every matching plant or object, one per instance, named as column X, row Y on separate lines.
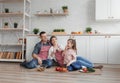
column 13, row 73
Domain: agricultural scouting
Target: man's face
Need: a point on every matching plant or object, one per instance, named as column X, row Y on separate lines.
column 43, row 37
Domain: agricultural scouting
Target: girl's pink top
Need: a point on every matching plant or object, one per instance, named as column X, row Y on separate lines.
column 70, row 54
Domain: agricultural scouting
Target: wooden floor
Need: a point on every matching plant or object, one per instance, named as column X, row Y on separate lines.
column 13, row 73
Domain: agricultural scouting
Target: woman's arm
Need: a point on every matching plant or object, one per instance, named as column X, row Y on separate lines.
column 51, row 53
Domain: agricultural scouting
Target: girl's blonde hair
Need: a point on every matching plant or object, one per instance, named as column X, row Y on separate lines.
column 73, row 41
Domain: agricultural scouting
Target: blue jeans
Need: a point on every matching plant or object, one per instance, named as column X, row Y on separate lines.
column 74, row 66
column 79, row 63
column 34, row 62
column 85, row 62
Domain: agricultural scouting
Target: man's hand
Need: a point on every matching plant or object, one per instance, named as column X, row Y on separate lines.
column 39, row 61
column 38, row 58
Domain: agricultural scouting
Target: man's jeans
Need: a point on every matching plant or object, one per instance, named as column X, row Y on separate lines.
column 34, row 63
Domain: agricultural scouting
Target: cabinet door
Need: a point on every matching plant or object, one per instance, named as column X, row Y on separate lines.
column 115, row 9
column 98, row 53
column 82, row 43
column 31, row 42
column 62, row 40
column 102, row 9
column 114, row 50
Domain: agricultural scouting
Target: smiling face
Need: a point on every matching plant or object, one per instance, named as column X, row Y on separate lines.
column 69, row 44
column 54, row 41
column 43, row 37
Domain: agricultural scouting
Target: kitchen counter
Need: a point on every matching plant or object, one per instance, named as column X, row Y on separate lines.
column 81, row 35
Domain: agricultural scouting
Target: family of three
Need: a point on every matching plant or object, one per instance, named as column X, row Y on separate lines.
column 48, row 53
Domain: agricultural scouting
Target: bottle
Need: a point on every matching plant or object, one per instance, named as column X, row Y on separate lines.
column 51, row 11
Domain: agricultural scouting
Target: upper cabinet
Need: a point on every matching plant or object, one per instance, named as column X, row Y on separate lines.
column 107, row 10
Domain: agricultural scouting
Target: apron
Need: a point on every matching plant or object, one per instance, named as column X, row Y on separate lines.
column 43, row 54
column 59, row 58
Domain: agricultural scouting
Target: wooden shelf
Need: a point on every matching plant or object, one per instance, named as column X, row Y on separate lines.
column 10, row 44
column 11, row 1
column 12, row 60
column 52, row 14
column 13, row 14
column 13, row 29
column 59, row 33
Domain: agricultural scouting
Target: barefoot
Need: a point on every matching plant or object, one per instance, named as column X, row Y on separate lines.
column 41, row 69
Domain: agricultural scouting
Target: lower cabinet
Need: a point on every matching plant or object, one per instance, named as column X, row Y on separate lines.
column 31, row 42
column 82, row 43
column 113, row 50
column 98, row 49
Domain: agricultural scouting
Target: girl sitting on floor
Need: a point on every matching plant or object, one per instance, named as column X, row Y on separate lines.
column 70, row 58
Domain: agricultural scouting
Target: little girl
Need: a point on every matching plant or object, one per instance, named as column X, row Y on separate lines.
column 70, row 56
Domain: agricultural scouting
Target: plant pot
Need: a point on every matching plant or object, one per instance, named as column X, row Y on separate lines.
column 35, row 33
column 6, row 10
column 15, row 25
column 65, row 10
column 6, row 26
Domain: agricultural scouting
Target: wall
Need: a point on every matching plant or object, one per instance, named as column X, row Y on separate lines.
column 81, row 15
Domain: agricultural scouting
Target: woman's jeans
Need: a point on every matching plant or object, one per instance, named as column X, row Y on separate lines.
column 79, row 63
column 34, row 63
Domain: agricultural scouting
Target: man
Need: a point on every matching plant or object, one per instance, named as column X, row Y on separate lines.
column 40, row 54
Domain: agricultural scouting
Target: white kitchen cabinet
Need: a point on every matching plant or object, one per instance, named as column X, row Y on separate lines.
column 101, row 9
column 31, row 42
column 114, row 50
column 107, row 10
column 98, row 49
column 98, row 53
column 82, row 43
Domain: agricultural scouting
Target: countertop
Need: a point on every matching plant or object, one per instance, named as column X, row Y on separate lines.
column 80, row 35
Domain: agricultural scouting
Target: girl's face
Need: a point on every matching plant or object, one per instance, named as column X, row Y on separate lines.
column 54, row 41
column 69, row 44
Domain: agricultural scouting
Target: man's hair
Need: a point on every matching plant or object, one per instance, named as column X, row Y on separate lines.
column 42, row 32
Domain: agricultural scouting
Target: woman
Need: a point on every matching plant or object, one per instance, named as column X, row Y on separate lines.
column 55, row 52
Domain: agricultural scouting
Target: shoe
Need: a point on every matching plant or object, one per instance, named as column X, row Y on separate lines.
column 98, row 67
column 90, row 70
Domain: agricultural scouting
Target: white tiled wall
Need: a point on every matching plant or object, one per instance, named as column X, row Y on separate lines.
column 81, row 15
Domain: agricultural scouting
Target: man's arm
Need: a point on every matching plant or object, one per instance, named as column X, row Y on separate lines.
column 35, row 56
column 36, row 52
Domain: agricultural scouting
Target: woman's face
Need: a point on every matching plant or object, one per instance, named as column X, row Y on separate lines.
column 69, row 44
column 54, row 41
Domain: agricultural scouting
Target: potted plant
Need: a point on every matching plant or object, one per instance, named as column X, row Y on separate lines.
column 6, row 10
column 62, row 30
column 65, row 9
column 55, row 30
column 88, row 30
column 6, row 25
column 15, row 25
column 35, row 30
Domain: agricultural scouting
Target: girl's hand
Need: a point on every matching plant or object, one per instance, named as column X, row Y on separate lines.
column 66, row 47
column 68, row 65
